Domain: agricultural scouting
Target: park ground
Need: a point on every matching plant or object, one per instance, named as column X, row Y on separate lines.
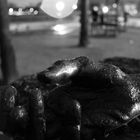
column 36, row 51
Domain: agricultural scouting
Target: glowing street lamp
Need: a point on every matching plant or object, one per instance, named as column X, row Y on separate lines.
column 105, row 9
column 58, row 8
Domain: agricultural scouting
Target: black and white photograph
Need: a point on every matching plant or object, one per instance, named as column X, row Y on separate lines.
column 69, row 69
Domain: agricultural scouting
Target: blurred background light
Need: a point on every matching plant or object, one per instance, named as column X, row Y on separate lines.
column 95, row 8
column 60, row 5
column 11, row 10
column 114, row 5
column 74, row 6
column 105, row 9
column 59, row 8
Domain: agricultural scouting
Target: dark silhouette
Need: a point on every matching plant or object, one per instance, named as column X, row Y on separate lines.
column 84, row 6
column 8, row 62
column 95, row 15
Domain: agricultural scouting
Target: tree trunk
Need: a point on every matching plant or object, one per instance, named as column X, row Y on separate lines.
column 8, row 62
column 84, row 40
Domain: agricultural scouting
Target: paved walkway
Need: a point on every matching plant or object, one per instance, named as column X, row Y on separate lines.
column 46, row 25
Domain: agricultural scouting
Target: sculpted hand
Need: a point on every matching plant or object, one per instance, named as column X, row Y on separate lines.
column 108, row 98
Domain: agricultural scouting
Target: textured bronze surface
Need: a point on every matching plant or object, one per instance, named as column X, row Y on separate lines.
column 74, row 99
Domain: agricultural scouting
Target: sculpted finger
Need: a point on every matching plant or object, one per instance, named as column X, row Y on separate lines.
column 61, row 71
column 82, row 72
column 37, row 114
column 8, row 95
column 99, row 75
column 18, row 121
column 7, row 103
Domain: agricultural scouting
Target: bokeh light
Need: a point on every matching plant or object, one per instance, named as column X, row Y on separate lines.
column 105, row 9
column 58, row 8
column 60, row 5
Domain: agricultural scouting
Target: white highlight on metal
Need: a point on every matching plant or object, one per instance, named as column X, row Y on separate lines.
column 78, row 105
column 21, row 113
column 120, row 73
column 134, row 92
column 136, row 108
column 67, row 70
column 125, row 117
column 79, row 127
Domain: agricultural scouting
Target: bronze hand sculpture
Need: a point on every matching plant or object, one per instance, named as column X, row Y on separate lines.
column 73, row 99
